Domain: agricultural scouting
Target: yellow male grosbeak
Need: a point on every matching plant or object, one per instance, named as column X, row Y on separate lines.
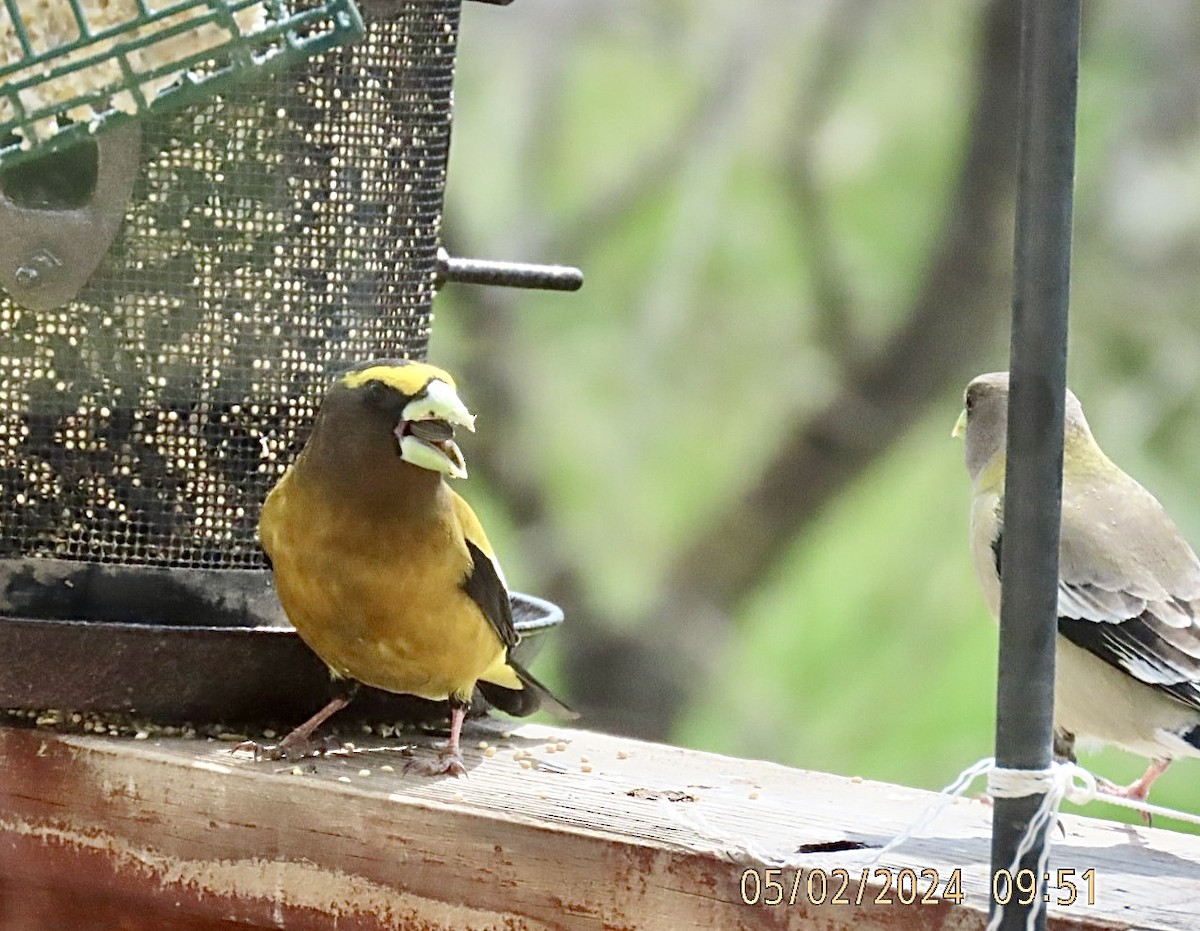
column 382, row 568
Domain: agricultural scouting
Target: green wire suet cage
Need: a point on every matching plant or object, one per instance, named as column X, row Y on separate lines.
column 73, row 67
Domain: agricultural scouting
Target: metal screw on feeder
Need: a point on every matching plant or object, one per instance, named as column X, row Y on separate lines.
column 507, row 274
column 1033, row 478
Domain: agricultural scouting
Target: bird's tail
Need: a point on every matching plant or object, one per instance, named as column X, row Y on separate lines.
column 533, row 696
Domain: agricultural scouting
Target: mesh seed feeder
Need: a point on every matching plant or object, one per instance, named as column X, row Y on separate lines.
column 207, row 209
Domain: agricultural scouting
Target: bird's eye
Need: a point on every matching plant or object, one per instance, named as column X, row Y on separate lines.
column 377, row 392
column 970, row 402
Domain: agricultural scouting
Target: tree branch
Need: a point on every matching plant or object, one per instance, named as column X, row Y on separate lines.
column 831, row 298
column 639, row 679
column 951, row 322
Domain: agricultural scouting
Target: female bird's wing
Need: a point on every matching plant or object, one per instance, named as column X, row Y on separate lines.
column 1129, row 585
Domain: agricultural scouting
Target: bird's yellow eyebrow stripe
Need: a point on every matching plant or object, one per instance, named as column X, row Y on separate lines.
column 407, row 379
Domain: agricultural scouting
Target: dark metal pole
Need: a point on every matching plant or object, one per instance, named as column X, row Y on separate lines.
column 1033, row 480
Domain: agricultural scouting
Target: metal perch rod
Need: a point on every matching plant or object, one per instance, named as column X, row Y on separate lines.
column 507, row 274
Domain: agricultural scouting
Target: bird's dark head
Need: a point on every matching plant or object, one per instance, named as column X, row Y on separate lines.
column 413, row 407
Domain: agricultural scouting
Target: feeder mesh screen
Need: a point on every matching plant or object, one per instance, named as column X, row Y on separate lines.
column 275, row 235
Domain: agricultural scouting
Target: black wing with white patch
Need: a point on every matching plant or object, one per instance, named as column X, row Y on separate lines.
column 1145, row 644
column 1156, row 642
column 484, row 587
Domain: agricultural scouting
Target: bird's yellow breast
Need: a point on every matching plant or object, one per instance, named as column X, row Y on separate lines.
column 379, row 597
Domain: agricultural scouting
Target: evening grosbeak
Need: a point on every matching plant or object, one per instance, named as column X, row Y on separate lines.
column 384, row 571
column 1128, row 647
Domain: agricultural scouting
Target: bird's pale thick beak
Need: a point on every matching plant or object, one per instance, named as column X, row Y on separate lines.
column 426, row 430
column 960, row 425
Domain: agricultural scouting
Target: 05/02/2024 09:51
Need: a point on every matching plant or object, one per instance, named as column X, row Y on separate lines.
column 909, row 886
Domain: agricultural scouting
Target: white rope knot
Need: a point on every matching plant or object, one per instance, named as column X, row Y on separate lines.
column 1019, row 783
column 1062, row 780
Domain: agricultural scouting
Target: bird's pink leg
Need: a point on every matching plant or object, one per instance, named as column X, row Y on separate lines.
column 1139, row 789
column 299, row 742
column 449, row 761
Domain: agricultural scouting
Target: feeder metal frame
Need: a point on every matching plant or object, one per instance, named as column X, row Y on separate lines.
column 286, row 37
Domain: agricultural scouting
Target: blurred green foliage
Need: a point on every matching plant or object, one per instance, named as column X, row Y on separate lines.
column 657, row 394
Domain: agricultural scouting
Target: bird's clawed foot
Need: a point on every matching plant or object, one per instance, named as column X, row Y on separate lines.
column 447, row 763
column 1135, row 791
column 1138, row 790
column 287, row 750
column 299, row 742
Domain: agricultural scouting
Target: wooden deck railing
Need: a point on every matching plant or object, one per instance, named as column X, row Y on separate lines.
column 553, row 828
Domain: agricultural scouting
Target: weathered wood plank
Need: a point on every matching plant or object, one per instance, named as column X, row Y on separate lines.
column 180, row 833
